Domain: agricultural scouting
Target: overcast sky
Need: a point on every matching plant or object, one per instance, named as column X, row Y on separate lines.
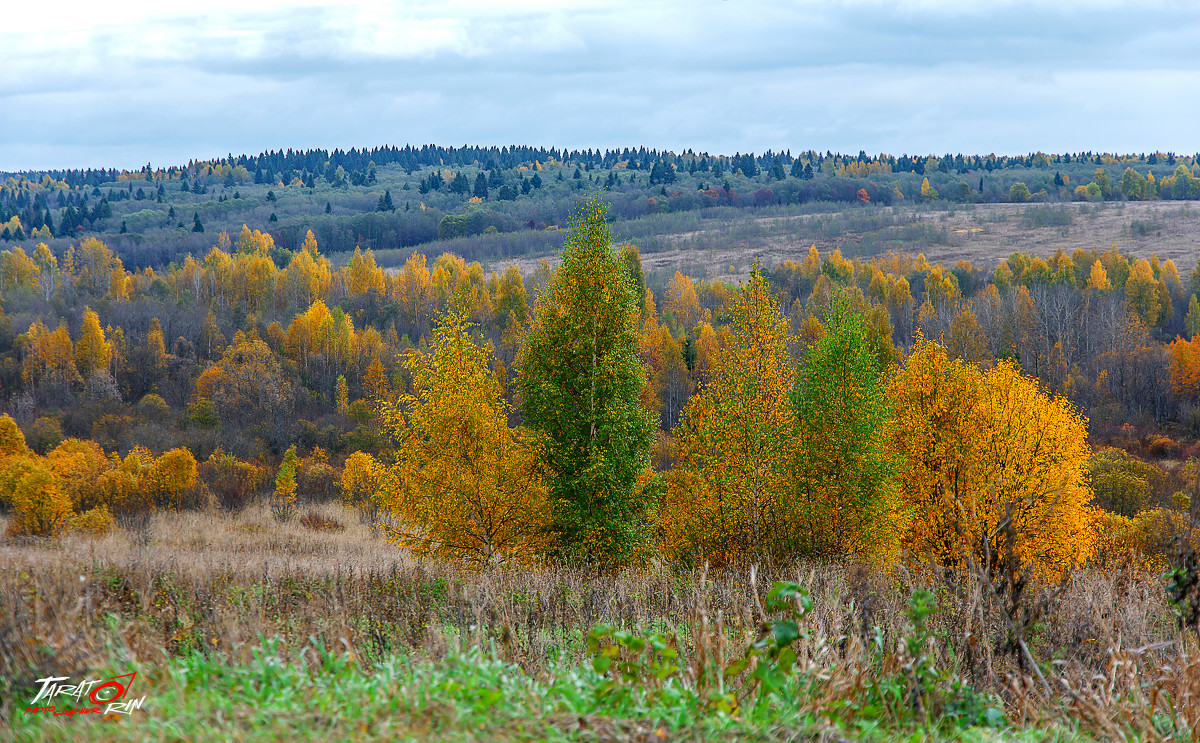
column 88, row 84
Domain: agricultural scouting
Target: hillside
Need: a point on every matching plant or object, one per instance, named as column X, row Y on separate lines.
column 491, row 204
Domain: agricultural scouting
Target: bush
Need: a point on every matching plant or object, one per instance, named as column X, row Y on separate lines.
column 40, row 507
column 154, row 409
column 202, row 413
column 96, row 522
column 1120, row 483
column 1165, row 447
column 317, row 522
column 171, row 478
column 1148, row 539
column 44, row 434
column 318, row 481
column 230, row 480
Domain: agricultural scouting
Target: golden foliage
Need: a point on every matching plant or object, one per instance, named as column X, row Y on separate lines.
column 1185, row 366
column 978, row 443
column 728, row 497
column 40, row 508
column 468, row 488
column 95, row 522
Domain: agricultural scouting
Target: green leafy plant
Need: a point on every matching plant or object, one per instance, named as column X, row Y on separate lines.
column 633, row 660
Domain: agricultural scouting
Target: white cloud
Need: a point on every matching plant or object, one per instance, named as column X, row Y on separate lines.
column 117, row 85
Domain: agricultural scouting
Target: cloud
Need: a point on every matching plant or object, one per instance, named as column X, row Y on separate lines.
column 117, row 86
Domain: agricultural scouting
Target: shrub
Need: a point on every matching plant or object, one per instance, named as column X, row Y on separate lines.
column 229, row 479
column 171, row 477
column 317, row 480
column 44, row 434
column 1164, row 447
column 40, row 507
column 1148, row 539
column 79, row 465
column 12, row 441
column 317, row 522
column 1120, row 483
column 95, row 522
column 362, row 484
column 154, row 409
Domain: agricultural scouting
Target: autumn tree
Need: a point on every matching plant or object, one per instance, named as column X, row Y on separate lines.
column 1191, row 321
column 49, row 359
column 97, row 267
column 12, row 441
column 848, row 503
column 981, row 447
column 40, row 508
column 48, row 276
column 580, row 377
column 363, row 482
column 729, row 496
column 966, row 340
column 510, row 308
column 469, row 487
column 1185, row 366
column 92, row 352
column 682, row 301
column 1141, row 293
column 170, row 478
column 249, row 391
column 283, row 506
column 362, row 275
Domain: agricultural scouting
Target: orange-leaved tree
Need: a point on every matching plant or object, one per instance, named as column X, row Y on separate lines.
column 983, row 448
column 471, row 489
column 1185, row 366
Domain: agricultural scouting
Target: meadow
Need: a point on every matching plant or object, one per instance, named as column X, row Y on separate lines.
column 242, row 627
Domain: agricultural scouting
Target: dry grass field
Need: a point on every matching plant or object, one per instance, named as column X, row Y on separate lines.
column 983, row 234
column 1104, row 645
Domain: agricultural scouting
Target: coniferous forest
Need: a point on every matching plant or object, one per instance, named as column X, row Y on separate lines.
column 607, row 445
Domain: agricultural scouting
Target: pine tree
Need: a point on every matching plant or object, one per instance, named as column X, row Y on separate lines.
column 385, row 203
column 196, row 226
column 580, row 379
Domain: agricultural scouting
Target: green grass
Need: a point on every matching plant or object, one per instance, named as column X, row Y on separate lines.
column 319, row 695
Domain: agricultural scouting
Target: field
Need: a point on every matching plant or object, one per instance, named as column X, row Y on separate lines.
column 709, row 242
column 244, row 627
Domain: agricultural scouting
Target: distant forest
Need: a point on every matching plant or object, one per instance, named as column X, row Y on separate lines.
column 221, row 339
column 497, row 202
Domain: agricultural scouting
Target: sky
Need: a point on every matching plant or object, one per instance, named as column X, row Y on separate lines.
column 120, row 84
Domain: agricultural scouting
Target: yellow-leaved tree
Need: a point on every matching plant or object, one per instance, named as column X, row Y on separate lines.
column 469, row 486
column 728, row 497
column 984, row 446
column 363, row 483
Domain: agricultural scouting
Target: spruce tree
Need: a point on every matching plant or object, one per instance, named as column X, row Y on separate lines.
column 385, row 203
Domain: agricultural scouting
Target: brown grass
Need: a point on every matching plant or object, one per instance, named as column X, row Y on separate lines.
column 221, row 583
column 983, row 234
